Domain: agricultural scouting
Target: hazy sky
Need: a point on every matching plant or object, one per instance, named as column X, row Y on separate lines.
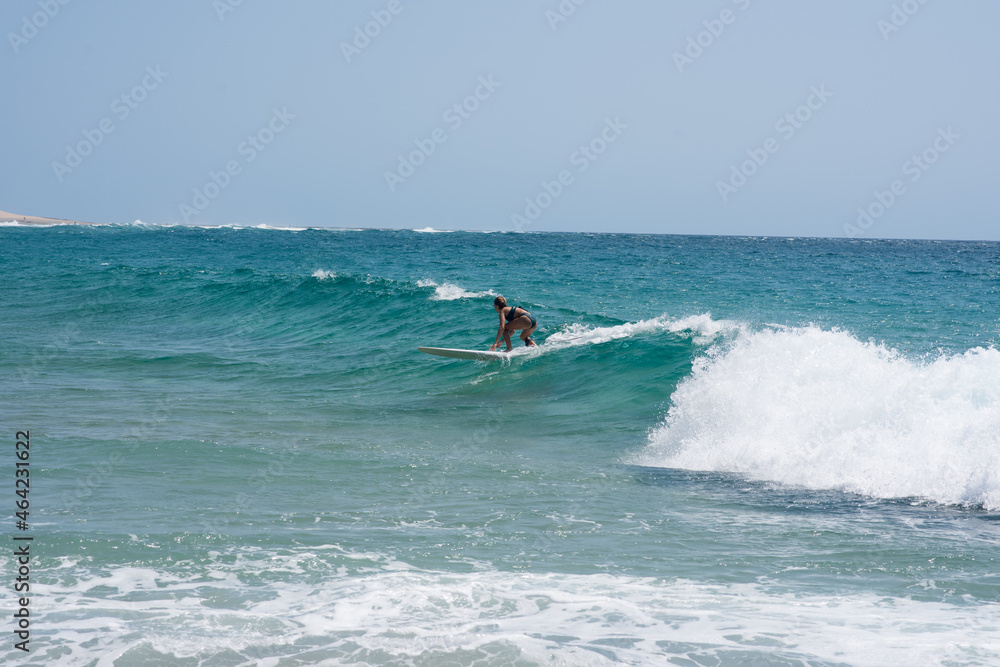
column 713, row 117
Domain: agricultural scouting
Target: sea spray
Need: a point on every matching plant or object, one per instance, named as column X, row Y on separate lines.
column 823, row 410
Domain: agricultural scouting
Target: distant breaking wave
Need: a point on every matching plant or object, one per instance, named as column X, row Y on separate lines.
column 823, row 410
column 442, row 292
column 449, row 292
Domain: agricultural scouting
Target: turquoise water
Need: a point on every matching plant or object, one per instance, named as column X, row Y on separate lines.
column 726, row 451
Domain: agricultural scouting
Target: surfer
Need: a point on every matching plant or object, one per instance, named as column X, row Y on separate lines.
column 513, row 318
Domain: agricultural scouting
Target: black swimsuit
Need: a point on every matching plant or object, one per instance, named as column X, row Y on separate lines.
column 510, row 317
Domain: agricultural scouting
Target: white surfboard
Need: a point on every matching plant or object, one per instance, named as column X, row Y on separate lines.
column 479, row 355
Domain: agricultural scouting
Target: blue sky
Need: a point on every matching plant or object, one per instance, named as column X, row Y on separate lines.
column 872, row 118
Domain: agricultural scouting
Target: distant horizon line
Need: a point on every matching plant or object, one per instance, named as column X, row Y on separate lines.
column 39, row 221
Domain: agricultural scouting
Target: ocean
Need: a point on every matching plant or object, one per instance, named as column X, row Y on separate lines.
column 725, row 451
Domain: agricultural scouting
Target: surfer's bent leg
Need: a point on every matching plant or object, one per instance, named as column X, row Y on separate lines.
column 526, row 336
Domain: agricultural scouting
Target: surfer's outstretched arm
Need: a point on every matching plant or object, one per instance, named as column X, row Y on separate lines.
column 501, row 331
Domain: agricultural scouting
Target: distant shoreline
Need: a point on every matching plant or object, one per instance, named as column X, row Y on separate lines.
column 35, row 220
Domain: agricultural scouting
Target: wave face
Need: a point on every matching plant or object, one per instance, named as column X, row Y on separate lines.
column 823, row 410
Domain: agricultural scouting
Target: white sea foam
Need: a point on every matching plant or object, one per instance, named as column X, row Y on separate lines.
column 431, row 230
column 322, row 274
column 449, row 292
column 701, row 328
column 312, row 605
column 823, row 410
column 281, row 228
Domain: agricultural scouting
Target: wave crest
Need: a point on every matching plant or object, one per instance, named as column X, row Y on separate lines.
column 823, row 410
column 449, row 292
column 702, row 329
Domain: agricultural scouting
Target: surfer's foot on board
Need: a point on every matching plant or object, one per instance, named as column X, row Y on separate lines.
column 529, row 343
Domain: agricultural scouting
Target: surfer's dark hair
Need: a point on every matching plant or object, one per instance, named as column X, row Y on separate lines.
column 500, row 301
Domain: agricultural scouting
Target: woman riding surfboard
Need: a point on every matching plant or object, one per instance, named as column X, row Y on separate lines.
column 513, row 318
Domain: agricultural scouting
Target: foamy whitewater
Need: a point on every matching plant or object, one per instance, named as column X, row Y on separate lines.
column 725, row 451
column 823, row 410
